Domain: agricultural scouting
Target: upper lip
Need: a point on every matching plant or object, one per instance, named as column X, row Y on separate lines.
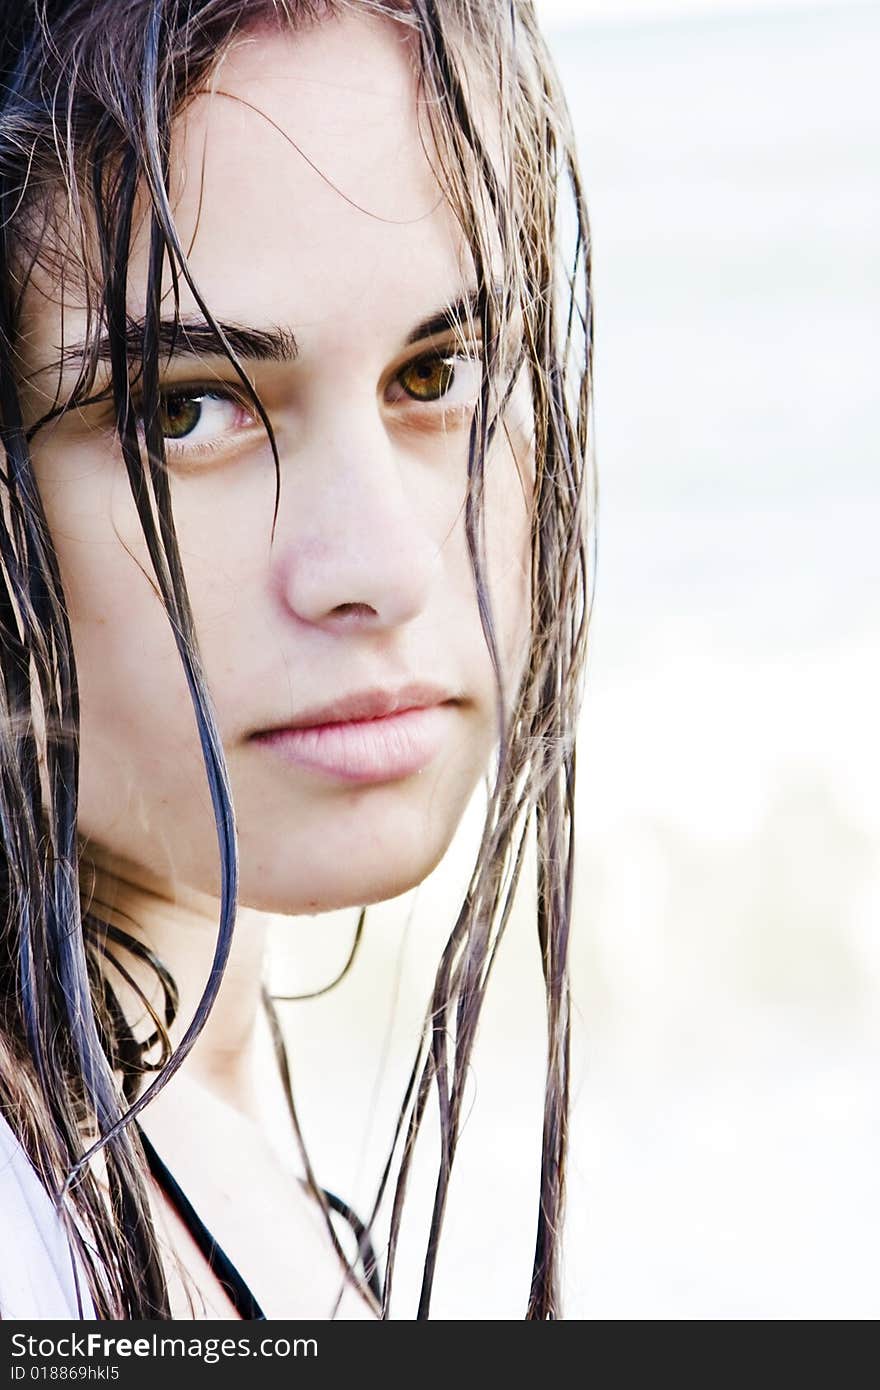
column 376, row 703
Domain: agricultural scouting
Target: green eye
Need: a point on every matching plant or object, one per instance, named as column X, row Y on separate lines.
column 428, row 378
column 179, row 415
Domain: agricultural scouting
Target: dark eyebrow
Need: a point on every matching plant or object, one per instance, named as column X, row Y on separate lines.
column 193, row 337
column 452, row 316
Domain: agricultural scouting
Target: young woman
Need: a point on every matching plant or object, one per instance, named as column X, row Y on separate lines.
column 295, row 344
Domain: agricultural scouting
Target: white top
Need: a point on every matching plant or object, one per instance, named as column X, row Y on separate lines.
column 36, row 1261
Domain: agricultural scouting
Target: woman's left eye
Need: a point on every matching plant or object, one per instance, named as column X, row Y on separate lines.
column 448, row 377
column 200, row 417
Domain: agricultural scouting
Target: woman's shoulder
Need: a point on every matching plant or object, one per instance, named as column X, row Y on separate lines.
column 37, row 1264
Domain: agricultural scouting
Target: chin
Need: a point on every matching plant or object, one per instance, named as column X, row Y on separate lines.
column 333, row 886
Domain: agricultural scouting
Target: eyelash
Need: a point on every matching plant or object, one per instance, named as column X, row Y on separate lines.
column 454, row 355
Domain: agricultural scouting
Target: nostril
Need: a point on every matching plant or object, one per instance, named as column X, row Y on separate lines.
column 354, row 610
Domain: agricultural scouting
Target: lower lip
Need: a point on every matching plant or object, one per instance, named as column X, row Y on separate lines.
column 365, row 750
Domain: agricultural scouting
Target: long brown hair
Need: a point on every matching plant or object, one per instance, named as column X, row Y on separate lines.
column 88, row 93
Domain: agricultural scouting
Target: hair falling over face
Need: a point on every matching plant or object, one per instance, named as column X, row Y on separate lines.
column 89, row 91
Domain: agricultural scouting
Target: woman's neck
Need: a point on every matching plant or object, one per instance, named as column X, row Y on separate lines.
column 180, row 926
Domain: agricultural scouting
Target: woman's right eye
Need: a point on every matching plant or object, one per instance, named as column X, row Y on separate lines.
column 200, row 419
column 198, row 422
column 179, row 415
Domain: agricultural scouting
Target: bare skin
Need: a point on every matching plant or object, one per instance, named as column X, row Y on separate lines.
column 368, row 585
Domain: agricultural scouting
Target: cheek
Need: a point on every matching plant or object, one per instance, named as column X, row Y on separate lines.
column 133, row 692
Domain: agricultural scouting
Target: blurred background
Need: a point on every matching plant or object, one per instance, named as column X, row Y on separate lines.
column 726, row 1130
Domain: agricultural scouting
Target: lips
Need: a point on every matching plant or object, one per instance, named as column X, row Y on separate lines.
column 376, row 703
column 375, row 735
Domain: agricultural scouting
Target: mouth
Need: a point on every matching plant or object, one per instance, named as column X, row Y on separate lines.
column 369, row 736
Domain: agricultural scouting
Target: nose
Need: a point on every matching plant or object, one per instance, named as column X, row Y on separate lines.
column 352, row 549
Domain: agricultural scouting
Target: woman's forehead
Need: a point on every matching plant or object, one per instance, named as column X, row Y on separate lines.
column 336, row 105
column 303, row 194
column 305, row 166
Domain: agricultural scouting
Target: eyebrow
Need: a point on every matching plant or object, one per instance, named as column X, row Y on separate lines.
column 449, row 317
column 192, row 336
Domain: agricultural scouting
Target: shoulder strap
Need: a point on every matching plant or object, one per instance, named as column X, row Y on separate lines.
column 221, row 1266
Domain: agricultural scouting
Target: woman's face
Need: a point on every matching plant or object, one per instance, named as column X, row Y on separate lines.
column 318, row 231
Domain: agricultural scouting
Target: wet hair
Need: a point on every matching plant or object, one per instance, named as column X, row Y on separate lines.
column 89, row 91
